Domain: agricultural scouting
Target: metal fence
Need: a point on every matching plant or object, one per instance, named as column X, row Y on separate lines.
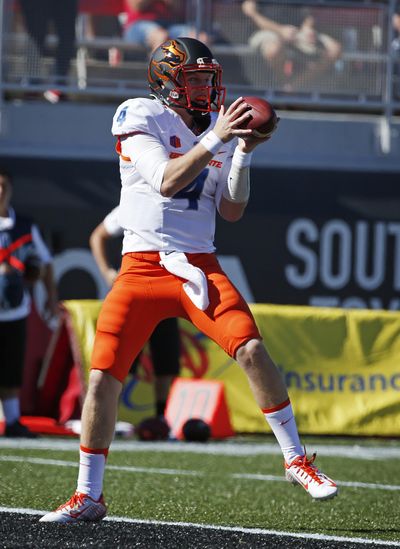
column 339, row 55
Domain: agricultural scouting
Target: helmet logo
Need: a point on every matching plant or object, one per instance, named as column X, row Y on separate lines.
column 206, row 61
column 173, row 57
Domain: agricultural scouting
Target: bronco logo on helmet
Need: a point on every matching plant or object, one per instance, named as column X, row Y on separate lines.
column 173, row 58
column 173, row 55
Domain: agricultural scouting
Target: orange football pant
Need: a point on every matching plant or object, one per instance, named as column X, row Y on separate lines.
column 145, row 293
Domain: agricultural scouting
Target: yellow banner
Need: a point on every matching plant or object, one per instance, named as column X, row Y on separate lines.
column 342, row 368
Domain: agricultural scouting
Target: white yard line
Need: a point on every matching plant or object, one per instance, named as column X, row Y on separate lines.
column 371, row 485
column 185, row 472
column 129, row 469
column 222, row 448
column 250, row 531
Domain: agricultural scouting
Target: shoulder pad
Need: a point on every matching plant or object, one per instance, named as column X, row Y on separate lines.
column 136, row 115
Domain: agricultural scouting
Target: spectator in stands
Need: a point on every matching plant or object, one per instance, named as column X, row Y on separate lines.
column 23, row 255
column 101, row 18
column 38, row 15
column 291, row 46
column 151, row 22
column 164, row 341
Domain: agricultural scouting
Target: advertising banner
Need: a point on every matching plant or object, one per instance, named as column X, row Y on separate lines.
column 341, row 367
column 327, row 239
column 308, row 237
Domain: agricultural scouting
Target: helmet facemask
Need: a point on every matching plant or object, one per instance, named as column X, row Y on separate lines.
column 213, row 95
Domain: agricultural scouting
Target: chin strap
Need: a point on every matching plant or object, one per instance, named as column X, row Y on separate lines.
column 201, row 119
column 196, row 113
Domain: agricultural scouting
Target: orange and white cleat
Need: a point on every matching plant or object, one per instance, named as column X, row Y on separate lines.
column 80, row 507
column 302, row 471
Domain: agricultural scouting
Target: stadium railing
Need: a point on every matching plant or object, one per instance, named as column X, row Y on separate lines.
column 360, row 79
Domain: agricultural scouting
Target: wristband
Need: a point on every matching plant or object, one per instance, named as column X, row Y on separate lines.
column 241, row 159
column 211, row 142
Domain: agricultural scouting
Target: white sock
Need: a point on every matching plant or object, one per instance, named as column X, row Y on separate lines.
column 11, row 410
column 91, row 471
column 283, row 425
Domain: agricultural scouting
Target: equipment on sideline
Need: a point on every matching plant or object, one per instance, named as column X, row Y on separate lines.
column 153, row 428
column 205, row 398
column 196, row 430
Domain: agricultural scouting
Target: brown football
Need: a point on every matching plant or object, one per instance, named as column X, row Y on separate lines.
column 263, row 117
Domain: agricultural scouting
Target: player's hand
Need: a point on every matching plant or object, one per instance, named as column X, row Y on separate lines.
column 249, row 143
column 249, row 8
column 288, row 32
column 52, row 309
column 228, row 122
column 110, row 275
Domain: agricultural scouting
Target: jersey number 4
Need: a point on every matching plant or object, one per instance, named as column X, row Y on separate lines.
column 122, row 116
column 193, row 191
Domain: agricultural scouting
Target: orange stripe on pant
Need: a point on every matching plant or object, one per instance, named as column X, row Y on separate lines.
column 144, row 293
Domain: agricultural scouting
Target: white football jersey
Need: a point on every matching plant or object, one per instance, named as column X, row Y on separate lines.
column 152, row 222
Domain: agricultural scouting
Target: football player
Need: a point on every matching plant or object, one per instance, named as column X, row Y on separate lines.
column 183, row 158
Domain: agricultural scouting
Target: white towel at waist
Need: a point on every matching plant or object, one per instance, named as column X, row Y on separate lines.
column 196, row 286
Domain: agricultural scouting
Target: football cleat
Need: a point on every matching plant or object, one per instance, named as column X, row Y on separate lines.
column 80, row 507
column 302, row 471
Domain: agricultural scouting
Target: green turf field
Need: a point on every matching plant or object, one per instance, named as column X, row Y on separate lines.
column 247, row 490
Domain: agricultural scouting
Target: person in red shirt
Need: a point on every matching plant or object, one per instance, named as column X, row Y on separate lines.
column 151, row 22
